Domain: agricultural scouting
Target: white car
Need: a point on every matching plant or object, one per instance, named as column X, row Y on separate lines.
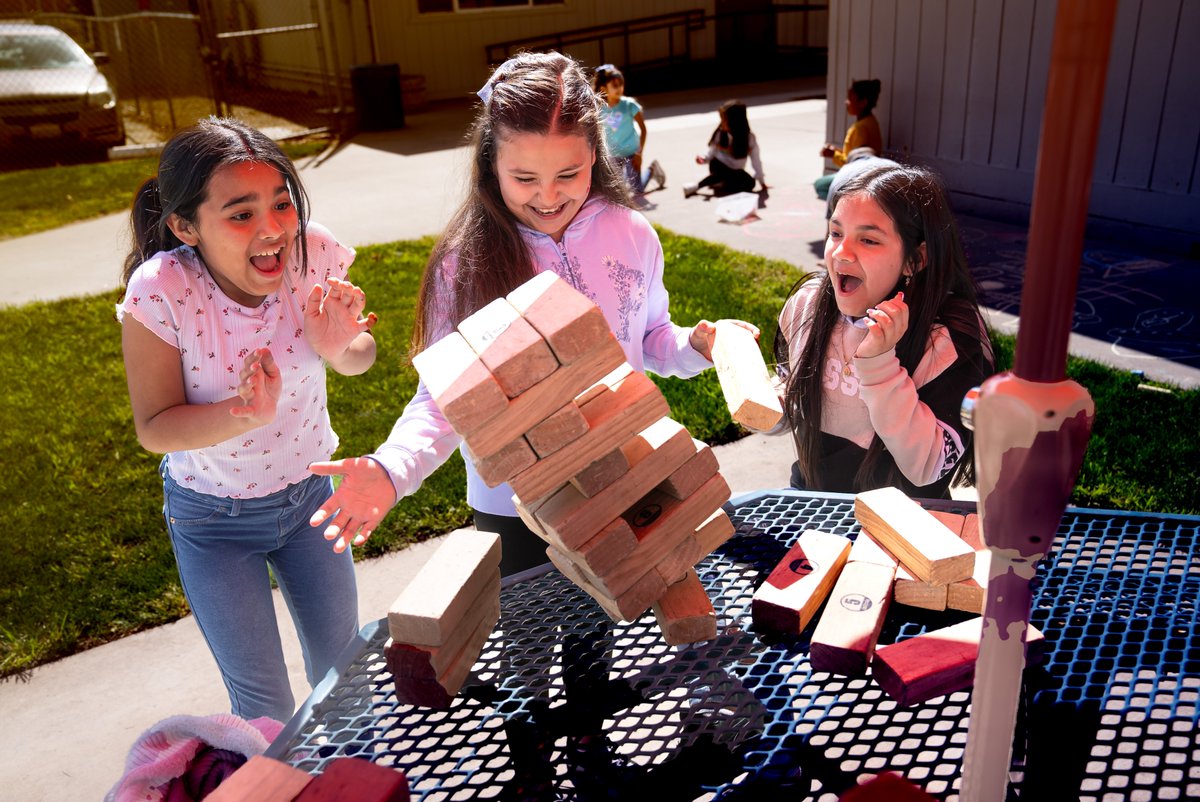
column 51, row 89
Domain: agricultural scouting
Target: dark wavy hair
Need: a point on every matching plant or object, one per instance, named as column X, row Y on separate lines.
column 737, row 138
column 534, row 93
column 185, row 166
column 868, row 90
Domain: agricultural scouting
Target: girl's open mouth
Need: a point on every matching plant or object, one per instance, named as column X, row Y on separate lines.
column 548, row 213
column 847, row 283
column 268, row 261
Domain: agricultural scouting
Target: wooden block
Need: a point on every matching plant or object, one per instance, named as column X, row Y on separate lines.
column 968, row 595
column 939, row 662
column 886, row 788
column 661, row 523
column 970, row 532
column 433, row 603
column 430, row 662
column 544, row 398
column 921, row 542
column 652, row 454
column 844, row 639
column 510, row 348
column 713, row 533
column 685, row 613
column 628, row 407
column 556, row 431
column 952, row 521
column 648, row 589
column 797, row 586
column 679, row 560
column 601, row 473
column 352, row 779
column 696, row 471
column 530, row 520
column 745, row 383
column 607, row 549
column 261, row 779
column 461, row 385
column 913, row 592
column 498, row 468
column 563, row 316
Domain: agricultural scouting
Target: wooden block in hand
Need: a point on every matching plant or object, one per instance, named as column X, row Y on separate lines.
column 845, row 636
column 510, row 348
column 437, row 598
column 695, row 472
column 558, row 430
column 498, row 468
column 261, row 779
column 797, row 586
column 747, row 386
column 545, row 398
column 563, row 316
column 939, row 662
column 601, row 473
column 921, row 542
column 652, row 455
column 630, row 403
column 352, row 779
column 461, row 385
column 685, row 613
column 627, row 606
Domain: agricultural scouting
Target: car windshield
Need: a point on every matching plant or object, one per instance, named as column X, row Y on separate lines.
column 40, row 52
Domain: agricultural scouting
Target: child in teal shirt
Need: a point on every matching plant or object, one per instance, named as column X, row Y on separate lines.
column 625, row 144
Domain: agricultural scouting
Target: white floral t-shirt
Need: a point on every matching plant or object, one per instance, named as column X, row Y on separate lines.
column 173, row 295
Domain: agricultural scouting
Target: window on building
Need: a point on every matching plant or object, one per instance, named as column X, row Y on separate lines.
column 449, row 6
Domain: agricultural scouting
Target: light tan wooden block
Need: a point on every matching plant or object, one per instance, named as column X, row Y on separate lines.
column 556, row 431
column 652, row 455
column 544, row 398
column 661, row 523
column 630, row 406
column 601, row 473
column 791, row 594
column 498, row 468
column 907, row 589
column 924, row 546
column 625, row 607
column 951, row 520
column 695, row 472
column 939, row 662
column 713, row 533
column 461, row 385
column 435, row 601
column 453, row 675
column 967, row 595
column 564, row 317
column 510, row 348
column 680, row 560
column 530, row 520
column 430, row 662
column 685, row 613
column 867, row 549
column 742, row 371
column 261, row 779
column 848, row 629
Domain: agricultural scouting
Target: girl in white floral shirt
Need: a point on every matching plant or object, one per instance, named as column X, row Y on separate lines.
column 234, row 305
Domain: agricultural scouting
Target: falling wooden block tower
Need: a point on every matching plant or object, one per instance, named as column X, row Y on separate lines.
column 626, row 500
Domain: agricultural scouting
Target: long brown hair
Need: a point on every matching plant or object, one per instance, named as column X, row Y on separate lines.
column 942, row 292
column 532, row 93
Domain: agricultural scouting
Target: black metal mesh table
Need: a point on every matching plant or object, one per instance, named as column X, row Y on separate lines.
column 564, row 704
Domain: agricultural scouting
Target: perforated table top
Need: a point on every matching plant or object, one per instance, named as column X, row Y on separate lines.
column 564, row 704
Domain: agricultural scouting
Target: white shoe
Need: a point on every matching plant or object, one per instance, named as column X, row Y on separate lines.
column 658, row 174
column 690, row 189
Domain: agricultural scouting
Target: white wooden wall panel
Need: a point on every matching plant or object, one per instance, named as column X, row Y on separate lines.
column 1016, row 32
column 1173, row 166
column 930, row 69
column 1144, row 101
column 959, row 22
column 900, row 92
column 1035, row 83
column 983, row 60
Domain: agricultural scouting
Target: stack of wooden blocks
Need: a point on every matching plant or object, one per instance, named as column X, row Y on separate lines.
column 626, row 500
column 905, row 554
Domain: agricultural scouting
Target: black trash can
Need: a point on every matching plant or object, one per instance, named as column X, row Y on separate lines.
column 378, row 101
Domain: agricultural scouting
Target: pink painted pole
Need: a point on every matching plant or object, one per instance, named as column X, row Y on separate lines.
column 1032, row 424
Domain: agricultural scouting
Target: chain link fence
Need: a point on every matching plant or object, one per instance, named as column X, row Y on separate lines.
column 84, row 87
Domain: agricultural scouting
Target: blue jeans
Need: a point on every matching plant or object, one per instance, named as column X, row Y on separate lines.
column 223, row 548
column 637, row 181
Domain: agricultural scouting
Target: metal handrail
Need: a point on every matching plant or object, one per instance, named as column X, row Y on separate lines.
column 691, row 20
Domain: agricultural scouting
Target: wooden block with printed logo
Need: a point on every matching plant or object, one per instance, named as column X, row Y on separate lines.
column 261, row 779
column 562, row 315
column 461, row 385
column 652, row 455
column 625, row 607
column 601, row 473
column 498, row 468
column 801, row 581
column 353, row 779
column 921, row 542
column 545, row 398
column 510, row 348
column 695, row 472
column 906, row 589
column 742, row 371
column 556, row 431
column 685, row 613
column 939, row 662
column 437, row 598
column 848, row 629
column 630, row 403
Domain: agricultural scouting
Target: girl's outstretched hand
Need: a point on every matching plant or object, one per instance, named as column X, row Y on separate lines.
column 886, row 324
column 358, row 505
column 333, row 319
column 259, row 387
column 704, row 333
